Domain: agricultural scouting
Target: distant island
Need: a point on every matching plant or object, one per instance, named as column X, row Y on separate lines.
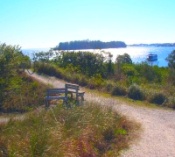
column 156, row 44
column 87, row 44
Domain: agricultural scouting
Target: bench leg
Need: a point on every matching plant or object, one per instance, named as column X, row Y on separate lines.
column 80, row 101
column 82, row 97
column 47, row 104
column 65, row 103
column 71, row 95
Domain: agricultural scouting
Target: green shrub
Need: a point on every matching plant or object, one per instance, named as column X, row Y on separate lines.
column 29, row 94
column 158, row 98
column 135, row 92
column 49, row 69
column 83, row 81
column 119, row 90
column 171, row 77
column 129, row 70
column 171, row 102
column 96, row 82
column 108, row 87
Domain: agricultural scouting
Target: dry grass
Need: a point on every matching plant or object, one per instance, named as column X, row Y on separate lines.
column 86, row 131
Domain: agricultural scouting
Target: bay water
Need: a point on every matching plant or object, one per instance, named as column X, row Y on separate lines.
column 138, row 54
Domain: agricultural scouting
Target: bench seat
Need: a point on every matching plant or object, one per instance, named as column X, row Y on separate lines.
column 62, row 94
column 55, row 97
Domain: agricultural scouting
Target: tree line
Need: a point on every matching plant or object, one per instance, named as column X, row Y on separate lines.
column 87, row 44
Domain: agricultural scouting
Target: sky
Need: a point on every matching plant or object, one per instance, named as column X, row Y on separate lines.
column 45, row 23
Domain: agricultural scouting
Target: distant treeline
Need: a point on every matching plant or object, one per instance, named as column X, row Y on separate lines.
column 87, row 44
column 156, row 44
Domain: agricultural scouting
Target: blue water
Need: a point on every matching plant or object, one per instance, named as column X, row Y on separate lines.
column 162, row 53
column 31, row 52
column 138, row 53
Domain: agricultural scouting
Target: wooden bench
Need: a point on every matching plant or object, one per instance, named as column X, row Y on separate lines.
column 74, row 88
column 56, row 94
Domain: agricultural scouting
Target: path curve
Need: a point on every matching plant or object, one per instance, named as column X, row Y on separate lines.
column 157, row 138
column 158, row 125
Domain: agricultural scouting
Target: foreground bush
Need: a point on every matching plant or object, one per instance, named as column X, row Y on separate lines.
column 18, row 92
column 29, row 94
column 87, row 131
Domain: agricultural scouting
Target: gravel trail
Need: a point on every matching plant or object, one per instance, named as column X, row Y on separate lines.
column 157, row 137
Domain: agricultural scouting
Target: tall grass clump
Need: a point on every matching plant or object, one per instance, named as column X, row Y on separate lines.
column 89, row 130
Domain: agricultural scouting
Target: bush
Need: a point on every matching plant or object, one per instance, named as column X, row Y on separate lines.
column 119, row 90
column 171, row 102
column 30, row 94
column 158, row 98
column 135, row 92
column 96, row 81
column 83, row 81
column 49, row 69
column 108, row 87
column 129, row 70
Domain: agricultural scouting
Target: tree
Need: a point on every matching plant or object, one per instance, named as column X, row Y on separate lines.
column 11, row 80
column 125, row 58
column 171, row 65
column 122, row 59
column 171, row 60
column 44, row 56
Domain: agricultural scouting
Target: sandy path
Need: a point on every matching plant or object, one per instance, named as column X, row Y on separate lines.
column 157, row 138
column 158, row 125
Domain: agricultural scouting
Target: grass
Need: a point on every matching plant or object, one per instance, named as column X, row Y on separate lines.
column 23, row 97
column 121, row 99
column 120, row 87
column 85, row 131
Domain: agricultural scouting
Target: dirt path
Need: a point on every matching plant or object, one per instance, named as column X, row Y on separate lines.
column 158, row 125
column 158, row 135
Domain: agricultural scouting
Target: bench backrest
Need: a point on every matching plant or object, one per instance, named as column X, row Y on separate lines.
column 54, row 91
column 71, row 87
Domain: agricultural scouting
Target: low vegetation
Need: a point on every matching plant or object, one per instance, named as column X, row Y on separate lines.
column 86, row 131
column 123, row 78
column 18, row 92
